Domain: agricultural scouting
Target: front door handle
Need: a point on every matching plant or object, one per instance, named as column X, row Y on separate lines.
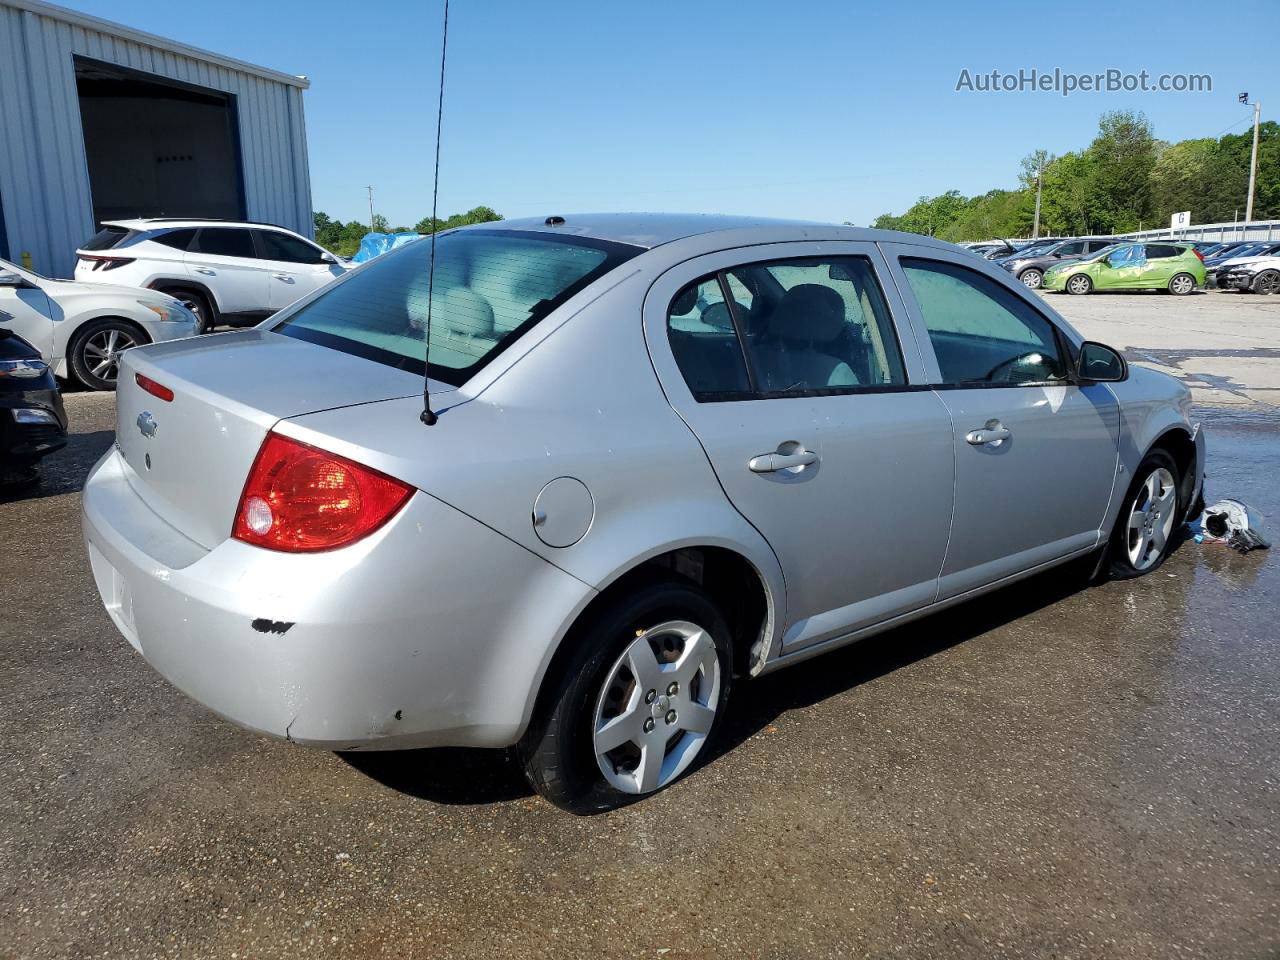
column 994, row 433
column 286, row 277
column 773, row 462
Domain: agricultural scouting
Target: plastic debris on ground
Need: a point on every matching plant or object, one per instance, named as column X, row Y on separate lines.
column 376, row 244
column 1232, row 522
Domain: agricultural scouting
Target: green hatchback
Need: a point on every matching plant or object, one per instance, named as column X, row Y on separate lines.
column 1176, row 267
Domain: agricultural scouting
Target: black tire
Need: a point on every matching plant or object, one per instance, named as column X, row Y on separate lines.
column 89, row 364
column 1182, row 284
column 199, row 304
column 1078, row 284
column 1119, row 564
column 1031, row 278
column 1268, row 281
column 557, row 751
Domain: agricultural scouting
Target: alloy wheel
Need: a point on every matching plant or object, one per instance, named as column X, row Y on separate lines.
column 1032, row 279
column 1078, row 284
column 1267, row 282
column 656, row 707
column 102, row 352
column 1182, row 284
column 1151, row 519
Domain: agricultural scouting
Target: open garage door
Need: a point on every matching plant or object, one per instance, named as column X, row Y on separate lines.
column 158, row 148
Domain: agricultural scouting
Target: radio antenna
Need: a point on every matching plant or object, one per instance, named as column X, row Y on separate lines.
column 428, row 416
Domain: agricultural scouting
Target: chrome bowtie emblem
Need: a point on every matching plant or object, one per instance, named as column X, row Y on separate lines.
column 146, row 424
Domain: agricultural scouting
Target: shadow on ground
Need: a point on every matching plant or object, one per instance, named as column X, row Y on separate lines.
column 473, row 776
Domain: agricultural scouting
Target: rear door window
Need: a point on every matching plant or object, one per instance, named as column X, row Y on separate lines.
column 178, row 239
column 223, row 242
column 106, row 238
column 704, row 340
column 281, row 246
column 1162, row 251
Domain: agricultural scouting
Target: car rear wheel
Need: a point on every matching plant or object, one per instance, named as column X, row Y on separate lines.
column 1079, row 284
column 637, row 702
column 1031, row 278
column 1143, row 534
column 1180, row 284
column 94, row 353
column 1268, row 281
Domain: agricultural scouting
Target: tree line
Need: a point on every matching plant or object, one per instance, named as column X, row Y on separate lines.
column 1124, row 180
column 344, row 239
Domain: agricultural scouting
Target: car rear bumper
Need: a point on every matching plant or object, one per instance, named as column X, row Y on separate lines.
column 433, row 631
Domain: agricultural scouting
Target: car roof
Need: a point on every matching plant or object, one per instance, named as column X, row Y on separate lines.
column 152, row 223
column 655, row 229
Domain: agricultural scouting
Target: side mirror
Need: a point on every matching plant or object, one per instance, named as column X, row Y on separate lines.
column 327, row 257
column 9, row 279
column 1098, row 363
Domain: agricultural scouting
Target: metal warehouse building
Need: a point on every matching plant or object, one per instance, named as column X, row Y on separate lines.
column 100, row 122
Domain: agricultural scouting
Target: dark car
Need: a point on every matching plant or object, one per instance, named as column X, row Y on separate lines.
column 33, row 423
column 1029, row 265
column 1215, row 262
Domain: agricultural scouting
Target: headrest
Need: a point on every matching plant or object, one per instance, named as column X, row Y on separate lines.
column 809, row 312
column 466, row 311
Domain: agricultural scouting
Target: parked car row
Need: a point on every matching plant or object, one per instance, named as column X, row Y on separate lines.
column 81, row 329
column 1083, row 264
column 145, row 281
column 1177, row 268
column 231, row 273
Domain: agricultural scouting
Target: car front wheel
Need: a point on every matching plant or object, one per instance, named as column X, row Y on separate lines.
column 638, row 700
column 94, row 352
column 1079, row 284
column 1031, row 279
column 1268, row 281
column 1143, row 534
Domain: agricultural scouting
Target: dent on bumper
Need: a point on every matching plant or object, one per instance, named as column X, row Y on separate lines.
column 432, row 631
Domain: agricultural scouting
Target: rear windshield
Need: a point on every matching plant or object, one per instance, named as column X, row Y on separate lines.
column 490, row 287
column 105, row 239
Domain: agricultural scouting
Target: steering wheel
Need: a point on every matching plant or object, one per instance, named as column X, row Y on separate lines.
column 1008, row 365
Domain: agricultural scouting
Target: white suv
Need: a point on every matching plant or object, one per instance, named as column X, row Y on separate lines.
column 230, row 273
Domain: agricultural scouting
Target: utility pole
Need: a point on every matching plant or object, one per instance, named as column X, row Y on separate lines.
column 370, row 189
column 1035, row 229
column 1253, row 159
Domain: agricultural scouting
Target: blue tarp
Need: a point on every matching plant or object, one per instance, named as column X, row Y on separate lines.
column 376, row 244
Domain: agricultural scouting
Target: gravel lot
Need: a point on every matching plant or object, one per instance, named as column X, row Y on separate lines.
column 1051, row 772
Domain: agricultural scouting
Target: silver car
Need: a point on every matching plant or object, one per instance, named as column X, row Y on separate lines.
column 672, row 452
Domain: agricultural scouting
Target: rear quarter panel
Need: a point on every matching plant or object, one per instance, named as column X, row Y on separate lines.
column 586, row 404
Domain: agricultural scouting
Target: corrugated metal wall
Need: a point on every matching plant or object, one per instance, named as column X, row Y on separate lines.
column 44, row 178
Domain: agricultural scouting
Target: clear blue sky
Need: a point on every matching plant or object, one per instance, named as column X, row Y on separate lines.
column 820, row 110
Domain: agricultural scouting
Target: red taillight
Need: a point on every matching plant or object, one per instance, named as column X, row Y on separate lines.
column 300, row 499
column 105, row 263
column 1198, row 254
column 153, row 388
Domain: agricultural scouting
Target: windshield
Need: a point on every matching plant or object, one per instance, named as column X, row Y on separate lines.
column 490, row 287
column 1036, row 249
column 1103, row 253
column 7, row 267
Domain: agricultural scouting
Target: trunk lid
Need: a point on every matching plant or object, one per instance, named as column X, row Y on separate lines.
column 189, row 456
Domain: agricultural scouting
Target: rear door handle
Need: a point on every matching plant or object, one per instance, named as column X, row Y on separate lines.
column 206, row 270
column 286, row 277
column 773, row 462
column 994, row 433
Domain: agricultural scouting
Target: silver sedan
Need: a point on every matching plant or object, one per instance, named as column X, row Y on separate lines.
column 669, row 453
